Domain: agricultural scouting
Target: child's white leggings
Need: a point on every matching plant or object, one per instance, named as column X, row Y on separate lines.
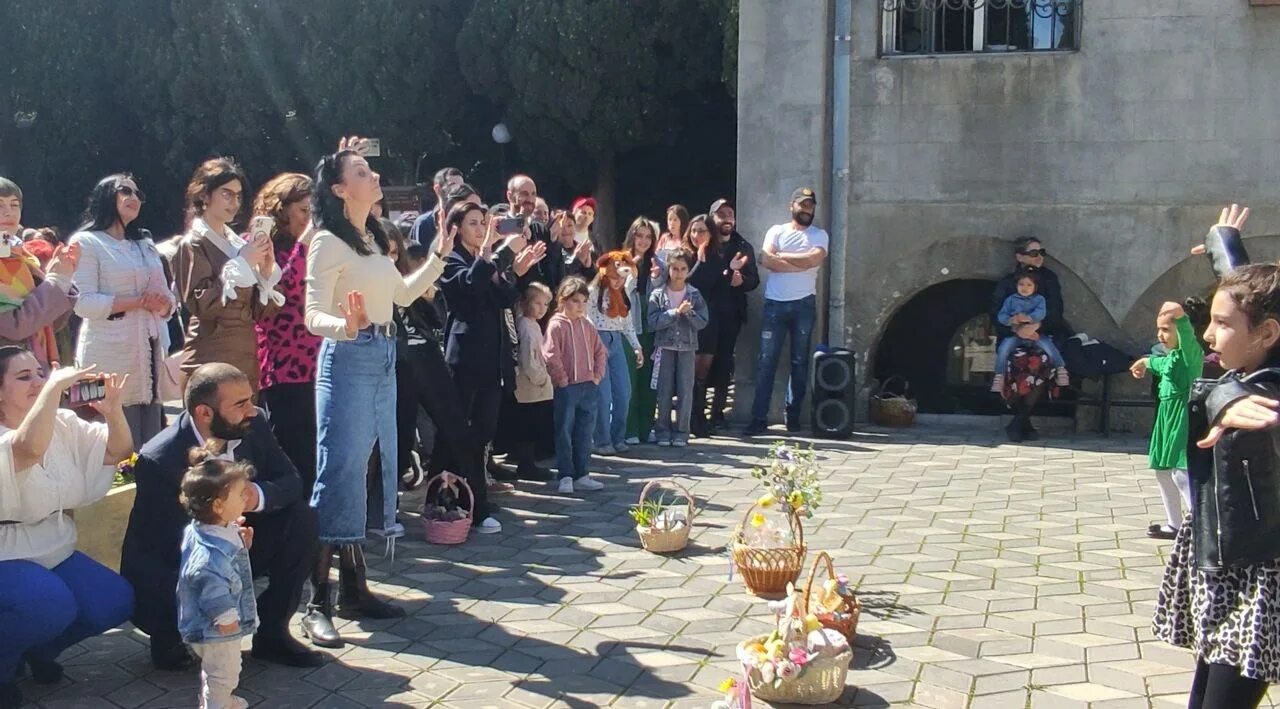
column 1175, row 492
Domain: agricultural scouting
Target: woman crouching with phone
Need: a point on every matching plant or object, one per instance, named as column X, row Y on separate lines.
column 1221, row 591
column 352, row 288
column 51, row 462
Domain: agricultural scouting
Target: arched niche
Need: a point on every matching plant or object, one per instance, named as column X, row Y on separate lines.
column 1190, row 277
column 931, row 320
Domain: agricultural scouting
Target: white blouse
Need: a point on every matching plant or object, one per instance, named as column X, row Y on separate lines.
column 335, row 269
column 33, row 522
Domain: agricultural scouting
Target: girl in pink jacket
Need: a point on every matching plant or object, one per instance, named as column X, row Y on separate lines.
column 576, row 360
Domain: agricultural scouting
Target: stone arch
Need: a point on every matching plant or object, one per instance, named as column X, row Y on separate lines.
column 1190, row 276
column 964, row 263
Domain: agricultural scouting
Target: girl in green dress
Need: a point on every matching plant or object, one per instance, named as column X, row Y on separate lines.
column 1174, row 372
column 639, row 242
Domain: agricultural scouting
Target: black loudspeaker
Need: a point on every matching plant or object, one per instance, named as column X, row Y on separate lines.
column 834, row 388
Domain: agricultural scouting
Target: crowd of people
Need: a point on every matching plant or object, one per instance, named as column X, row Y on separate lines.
column 287, row 330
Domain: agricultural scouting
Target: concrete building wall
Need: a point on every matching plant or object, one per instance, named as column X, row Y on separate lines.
column 784, row 137
column 1118, row 155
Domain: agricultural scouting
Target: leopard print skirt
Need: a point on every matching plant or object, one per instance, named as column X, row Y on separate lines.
column 1229, row 616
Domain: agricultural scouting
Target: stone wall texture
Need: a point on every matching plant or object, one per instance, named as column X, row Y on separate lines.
column 1118, row 156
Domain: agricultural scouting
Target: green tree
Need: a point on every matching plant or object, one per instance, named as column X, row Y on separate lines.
column 276, row 83
column 581, row 81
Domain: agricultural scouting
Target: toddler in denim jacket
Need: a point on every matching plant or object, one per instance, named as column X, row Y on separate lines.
column 216, row 605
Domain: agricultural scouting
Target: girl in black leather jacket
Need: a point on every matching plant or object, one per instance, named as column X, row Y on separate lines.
column 1221, row 591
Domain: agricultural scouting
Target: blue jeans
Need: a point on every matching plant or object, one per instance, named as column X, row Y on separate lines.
column 784, row 318
column 355, row 407
column 575, row 415
column 1044, row 344
column 615, row 391
column 45, row 611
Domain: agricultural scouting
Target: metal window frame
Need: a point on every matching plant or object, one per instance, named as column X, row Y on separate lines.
column 888, row 28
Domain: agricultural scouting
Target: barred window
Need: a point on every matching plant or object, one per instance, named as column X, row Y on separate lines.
column 973, row 26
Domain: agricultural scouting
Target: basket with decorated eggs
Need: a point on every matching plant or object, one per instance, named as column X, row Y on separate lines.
column 832, row 602
column 800, row 662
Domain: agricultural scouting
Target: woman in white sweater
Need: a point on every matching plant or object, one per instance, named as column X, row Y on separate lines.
column 124, row 300
column 52, row 596
column 352, row 287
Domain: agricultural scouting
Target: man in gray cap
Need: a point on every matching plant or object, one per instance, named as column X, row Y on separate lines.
column 793, row 252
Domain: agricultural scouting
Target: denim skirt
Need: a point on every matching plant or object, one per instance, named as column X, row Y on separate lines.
column 355, row 407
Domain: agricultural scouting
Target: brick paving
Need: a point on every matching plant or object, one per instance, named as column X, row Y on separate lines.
column 992, row 576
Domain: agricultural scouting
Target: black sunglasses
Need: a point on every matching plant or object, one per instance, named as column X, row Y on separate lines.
column 1033, row 253
column 128, row 191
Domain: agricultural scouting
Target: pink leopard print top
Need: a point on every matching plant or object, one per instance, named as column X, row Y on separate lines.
column 286, row 350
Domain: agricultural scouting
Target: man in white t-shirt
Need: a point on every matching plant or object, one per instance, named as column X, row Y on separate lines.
column 793, row 253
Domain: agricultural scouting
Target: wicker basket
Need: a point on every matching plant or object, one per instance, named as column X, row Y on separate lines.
column 895, row 410
column 448, row 531
column 849, row 605
column 665, row 541
column 821, row 682
column 766, row 572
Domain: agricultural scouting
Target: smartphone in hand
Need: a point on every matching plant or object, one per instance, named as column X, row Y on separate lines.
column 260, row 227
column 508, row 226
column 86, row 391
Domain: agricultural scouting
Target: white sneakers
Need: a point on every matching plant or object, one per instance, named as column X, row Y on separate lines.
column 585, row 483
column 489, row 526
column 395, row 531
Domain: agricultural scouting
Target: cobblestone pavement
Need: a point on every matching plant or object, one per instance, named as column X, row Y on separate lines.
column 992, row 575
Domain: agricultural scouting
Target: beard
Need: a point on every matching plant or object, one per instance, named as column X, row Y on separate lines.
column 227, row 431
column 802, row 218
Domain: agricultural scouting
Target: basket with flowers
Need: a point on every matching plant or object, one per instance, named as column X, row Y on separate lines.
column 800, row 662
column 663, row 526
column 767, row 555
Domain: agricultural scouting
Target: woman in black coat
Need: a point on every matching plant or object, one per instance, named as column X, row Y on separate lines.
column 479, row 288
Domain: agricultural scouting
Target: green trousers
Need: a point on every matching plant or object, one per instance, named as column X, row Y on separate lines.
column 643, row 398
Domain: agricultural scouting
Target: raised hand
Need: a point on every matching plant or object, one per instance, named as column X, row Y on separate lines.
column 445, row 239
column 354, row 313
column 490, row 236
column 61, row 378
column 583, row 252
column 1233, row 216
column 529, row 256
column 353, row 142
column 111, row 403
column 65, row 259
column 1172, row 309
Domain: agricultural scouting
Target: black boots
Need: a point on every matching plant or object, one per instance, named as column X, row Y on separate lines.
column 698, row 418
column 355, row 600
column 317, row 624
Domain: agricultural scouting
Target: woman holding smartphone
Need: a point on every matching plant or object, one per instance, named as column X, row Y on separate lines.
column 286, row 350
column 52, row 462
column 225, row 282
column 124, row 301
